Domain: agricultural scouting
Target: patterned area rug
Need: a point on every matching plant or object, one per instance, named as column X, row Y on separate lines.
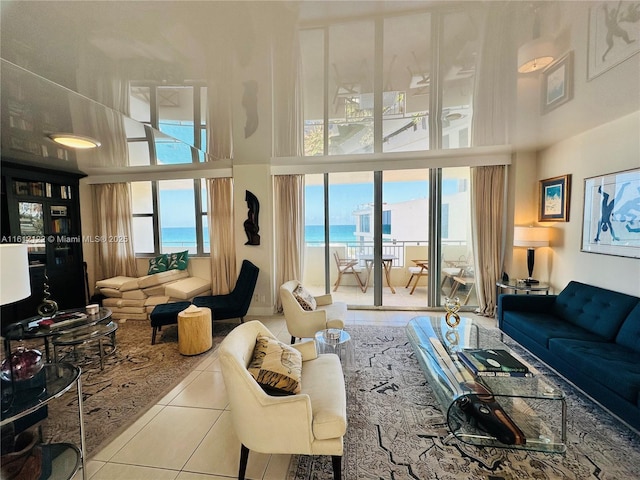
column 396, row 428
column 134, row 378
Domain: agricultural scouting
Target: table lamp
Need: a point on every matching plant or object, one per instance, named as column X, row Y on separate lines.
column 530, row 237
column 15, row 285
column 15, row 282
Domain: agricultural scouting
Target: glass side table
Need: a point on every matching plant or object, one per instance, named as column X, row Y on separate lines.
column 334, row 340
column 523, row 287
column 60, row 460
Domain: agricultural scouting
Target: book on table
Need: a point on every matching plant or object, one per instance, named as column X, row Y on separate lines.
column 63, row 320
column 497, row 362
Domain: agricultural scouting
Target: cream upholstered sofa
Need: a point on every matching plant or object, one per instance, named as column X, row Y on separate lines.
column 311, row 422
column 135, row 298
column 303, row 323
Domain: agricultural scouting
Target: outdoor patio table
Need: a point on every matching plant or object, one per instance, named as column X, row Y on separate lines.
column 387, row 261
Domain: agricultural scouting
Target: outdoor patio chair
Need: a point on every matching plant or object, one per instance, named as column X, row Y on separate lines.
column 347, row 266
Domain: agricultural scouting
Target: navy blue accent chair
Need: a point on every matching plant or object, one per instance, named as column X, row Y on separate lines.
column 234, row 304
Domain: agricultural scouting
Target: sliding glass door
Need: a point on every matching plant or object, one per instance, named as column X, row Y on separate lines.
column 408, row 247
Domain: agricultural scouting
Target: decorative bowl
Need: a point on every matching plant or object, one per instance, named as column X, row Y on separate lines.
column 26, row 364
column 332, row 334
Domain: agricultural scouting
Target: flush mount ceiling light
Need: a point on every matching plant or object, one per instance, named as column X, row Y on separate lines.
column 74, row 141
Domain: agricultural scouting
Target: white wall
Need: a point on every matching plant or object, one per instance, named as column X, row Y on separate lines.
column 609, row 148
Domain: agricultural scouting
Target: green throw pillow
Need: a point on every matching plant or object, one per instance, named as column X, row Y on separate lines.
column 178, row 260
column 276, row 367
column 158, row 264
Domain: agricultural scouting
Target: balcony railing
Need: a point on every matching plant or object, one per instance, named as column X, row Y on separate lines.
column 396, row 248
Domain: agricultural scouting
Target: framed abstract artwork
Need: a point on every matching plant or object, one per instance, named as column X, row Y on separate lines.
column 557, row 83
column 554, row 199
column 614, row 35
column 611, row 223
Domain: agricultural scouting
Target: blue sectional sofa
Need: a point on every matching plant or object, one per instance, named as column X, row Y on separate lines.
column 588, row 334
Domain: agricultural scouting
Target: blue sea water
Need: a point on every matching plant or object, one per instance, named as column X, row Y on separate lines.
column 337, row 233
column 186, row 236
column 182, row 236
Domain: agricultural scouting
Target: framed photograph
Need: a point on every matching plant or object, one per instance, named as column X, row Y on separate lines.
column 557, row 83
column 611, row 223
column 614, row 33
column 554, row 199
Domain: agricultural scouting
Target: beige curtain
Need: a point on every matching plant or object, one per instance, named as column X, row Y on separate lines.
column 112, row 225
column 221, row 237
column 495, row 79
column 487, row 226
column 219, row 122
column 288, row 197
column 287, row 93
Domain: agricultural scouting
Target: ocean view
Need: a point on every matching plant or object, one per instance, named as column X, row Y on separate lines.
column 186, row 236
column 337, row 233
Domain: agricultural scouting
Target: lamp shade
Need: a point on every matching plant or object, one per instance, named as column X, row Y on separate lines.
column 530, row 237
column 536, row 54
column 14, row 273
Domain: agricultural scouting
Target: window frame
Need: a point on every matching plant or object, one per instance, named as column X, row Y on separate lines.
column 200, row 126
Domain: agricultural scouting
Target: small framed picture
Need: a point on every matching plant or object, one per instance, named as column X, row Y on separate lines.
column 557, row 83
column 554, row 199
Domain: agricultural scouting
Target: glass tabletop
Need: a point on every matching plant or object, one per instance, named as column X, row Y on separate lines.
column 529, row 287
column 332, row 336
column 29, row 327
column 24, row 397
column 445, row 341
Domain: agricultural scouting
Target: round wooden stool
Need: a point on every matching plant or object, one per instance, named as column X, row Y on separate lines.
column 194, row 330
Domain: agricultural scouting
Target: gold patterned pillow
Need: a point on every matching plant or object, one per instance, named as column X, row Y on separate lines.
column 277, row 367
column 304, row 298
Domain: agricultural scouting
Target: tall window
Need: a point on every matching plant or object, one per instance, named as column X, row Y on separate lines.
column 168, row 215
column 173, row 127
column 374, row 86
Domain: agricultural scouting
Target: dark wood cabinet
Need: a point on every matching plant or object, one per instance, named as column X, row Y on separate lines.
column 41, row 208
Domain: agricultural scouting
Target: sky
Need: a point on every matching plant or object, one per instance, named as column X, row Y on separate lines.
column 345, row 198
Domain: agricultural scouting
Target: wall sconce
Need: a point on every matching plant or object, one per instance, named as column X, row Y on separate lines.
column 531, row 238
column 537, row 53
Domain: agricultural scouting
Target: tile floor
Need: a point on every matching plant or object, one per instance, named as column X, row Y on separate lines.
column 188, row 434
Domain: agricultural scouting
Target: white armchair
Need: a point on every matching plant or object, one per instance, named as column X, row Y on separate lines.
column 312, row 422
column 303, row 323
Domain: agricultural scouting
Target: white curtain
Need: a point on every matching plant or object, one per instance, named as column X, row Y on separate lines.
column 288, row 202
column 487, row 227
column 221, row 236
column 112, row 224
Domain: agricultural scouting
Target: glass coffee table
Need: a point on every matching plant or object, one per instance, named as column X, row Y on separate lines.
column 29, row 329
column 524, row 413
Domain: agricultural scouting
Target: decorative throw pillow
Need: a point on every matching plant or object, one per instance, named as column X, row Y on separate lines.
column 304, row 298
column 178, row 260
column 276, row 367
column 158, row 264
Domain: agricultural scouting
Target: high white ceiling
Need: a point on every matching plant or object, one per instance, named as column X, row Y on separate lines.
column 180, row 36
